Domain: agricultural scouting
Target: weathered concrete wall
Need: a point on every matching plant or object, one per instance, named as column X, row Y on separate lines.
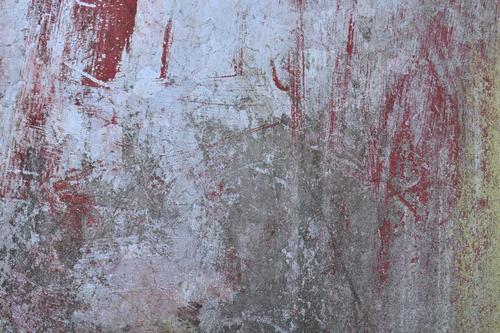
column 249, row 166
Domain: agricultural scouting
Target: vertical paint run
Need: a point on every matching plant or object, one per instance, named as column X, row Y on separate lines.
column 340, row 83
column 112, row 26
column 167, row 44
column 350, row 38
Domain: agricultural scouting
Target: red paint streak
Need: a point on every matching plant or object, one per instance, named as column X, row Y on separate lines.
column 77, row 207
column 438, row 37
column 380, row 134
column 113, row 23
column 385, row 234
column 70, row 204
column 405, row 164
column 167, row 44
column 276, row 80
column 300, row 4
column 34, row 163
column 34, row 102
column 46, row 13
column 418, row 137
column 60, row 186
column 37, row 101
column 296, row 72
column 341, row 80
column 350, row 38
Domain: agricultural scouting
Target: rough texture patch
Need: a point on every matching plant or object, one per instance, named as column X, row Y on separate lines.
column 249, row 166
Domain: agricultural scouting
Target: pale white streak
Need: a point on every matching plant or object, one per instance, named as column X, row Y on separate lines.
column 256, row 319
column 85, row 4
column 12, row 48
column 87, row 75
column 24, row 172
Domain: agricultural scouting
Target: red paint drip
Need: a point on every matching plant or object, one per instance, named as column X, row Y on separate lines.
column 276, row 79
column 167, row 44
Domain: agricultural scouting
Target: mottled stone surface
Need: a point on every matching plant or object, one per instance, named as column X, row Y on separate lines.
column 249, row 166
